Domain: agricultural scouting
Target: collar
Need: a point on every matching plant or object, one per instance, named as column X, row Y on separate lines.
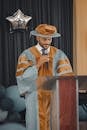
column 39, row 48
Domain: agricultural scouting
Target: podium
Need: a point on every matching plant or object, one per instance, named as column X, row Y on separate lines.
column 64, row 102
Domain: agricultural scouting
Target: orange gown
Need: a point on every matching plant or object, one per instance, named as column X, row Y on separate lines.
column 61, row 66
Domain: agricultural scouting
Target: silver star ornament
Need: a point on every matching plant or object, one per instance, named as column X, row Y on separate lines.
column 19, row 20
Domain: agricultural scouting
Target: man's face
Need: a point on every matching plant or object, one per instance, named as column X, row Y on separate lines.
column 45, row 42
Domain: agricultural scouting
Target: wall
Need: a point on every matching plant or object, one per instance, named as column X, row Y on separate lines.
column 80, row 36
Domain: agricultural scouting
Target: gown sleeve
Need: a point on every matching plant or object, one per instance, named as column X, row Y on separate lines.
column 26, row 73
column 63, row 66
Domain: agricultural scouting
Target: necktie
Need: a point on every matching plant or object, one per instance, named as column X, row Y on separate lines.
column 44, row 51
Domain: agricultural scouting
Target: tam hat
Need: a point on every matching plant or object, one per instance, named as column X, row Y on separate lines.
column 45, row 30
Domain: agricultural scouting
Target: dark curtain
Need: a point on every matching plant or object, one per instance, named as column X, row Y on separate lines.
column 12, row 43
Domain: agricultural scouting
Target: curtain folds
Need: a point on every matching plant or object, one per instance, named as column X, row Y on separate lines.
column 55, row 12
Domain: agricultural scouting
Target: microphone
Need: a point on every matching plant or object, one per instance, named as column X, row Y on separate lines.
column 45, row 52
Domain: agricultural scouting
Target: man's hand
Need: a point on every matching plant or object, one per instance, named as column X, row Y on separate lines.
column 43, row 59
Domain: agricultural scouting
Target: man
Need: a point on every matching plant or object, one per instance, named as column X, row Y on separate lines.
column 34, row 66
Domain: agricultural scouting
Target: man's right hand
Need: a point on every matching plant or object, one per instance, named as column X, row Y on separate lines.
column 43, row 59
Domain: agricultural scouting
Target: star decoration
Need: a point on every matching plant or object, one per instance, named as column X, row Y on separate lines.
column 19, row 20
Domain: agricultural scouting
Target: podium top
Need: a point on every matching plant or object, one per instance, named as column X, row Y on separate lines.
column 68, row 77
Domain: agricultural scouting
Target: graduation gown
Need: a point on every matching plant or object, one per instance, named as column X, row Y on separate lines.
column 30, row 80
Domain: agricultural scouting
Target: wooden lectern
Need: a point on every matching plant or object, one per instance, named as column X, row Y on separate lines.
column 64, row 104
